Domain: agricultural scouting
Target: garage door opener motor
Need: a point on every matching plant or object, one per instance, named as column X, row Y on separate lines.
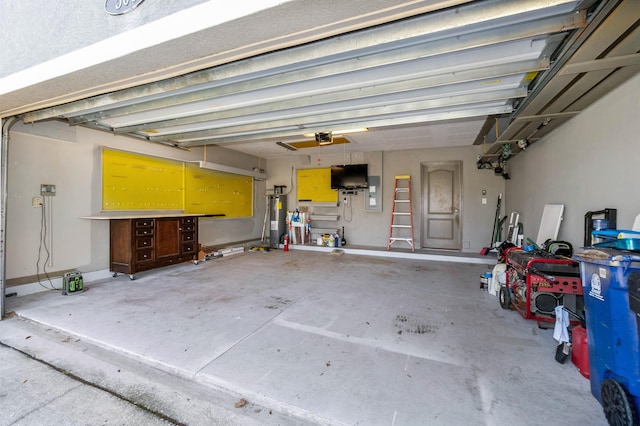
column 72, row 283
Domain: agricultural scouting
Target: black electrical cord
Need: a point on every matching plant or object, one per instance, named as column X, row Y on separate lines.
column 43, row 245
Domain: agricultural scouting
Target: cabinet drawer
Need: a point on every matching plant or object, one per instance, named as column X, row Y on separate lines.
column 144, row 223
column 188, row 227
column 144, row 231
column 188, row 248
column 188, row 220
column 188, row 236
column 144, row 242
column 144, row 255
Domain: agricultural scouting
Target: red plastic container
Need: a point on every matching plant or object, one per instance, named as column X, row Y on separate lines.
column 580, row 350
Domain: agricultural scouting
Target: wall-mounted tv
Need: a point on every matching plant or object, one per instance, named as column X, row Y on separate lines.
column 349, row 176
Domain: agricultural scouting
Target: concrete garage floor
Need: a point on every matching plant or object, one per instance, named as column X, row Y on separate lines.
column 307, row 337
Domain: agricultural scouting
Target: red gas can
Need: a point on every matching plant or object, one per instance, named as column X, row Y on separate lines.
column 580, row 350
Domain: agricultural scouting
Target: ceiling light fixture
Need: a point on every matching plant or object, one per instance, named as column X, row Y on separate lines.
column 286, row 146
column 256, row 173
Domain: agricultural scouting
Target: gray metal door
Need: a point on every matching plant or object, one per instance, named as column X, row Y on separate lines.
column 441, row 205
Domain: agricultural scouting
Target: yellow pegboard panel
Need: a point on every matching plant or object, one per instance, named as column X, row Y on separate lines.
column 140, row 182
column 314, row 185
column 215, row 192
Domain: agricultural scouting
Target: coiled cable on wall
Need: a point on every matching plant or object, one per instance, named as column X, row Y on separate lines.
column 347, row 216
column 43, row 247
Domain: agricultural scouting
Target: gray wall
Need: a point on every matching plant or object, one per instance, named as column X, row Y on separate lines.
column 366, row 228
column 588, row 164
column 69, row 157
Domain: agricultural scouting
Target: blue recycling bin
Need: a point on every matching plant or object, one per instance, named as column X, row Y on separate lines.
column 611, row 280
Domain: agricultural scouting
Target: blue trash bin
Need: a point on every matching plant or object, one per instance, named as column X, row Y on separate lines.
column 611, row 280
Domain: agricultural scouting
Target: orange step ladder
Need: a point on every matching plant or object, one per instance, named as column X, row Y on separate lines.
column 401, row 213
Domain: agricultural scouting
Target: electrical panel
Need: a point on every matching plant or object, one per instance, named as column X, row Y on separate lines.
column 373, row 195
column 47, row 189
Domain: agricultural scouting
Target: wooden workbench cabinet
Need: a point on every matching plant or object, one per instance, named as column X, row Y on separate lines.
column 140, row 244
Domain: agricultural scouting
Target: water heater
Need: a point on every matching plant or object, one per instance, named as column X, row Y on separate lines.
column 278, row 215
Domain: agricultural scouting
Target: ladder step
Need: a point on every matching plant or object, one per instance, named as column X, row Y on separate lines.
column 404, row 189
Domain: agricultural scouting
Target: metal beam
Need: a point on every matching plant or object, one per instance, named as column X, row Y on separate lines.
column 542, row 117
column 431, row 81
column 358, row 61
column 604, row 29
column 381, row 122
column 268, row 68
column 601, row 64
column 287, row 118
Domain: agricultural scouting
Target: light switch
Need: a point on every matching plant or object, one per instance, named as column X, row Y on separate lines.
column 484, row 200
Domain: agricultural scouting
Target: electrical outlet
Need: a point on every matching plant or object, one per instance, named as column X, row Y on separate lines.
column 36, row 202
column 47, row 189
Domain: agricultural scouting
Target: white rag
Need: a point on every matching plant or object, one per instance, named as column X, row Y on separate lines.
column 497, row 278
column 560, row 331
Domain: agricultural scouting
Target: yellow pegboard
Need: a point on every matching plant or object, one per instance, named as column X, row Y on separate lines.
column 214, row 192
column 314, row 185
column 141, row 182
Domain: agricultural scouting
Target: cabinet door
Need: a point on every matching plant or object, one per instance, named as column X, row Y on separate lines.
column 167, row 237
column 120, row 245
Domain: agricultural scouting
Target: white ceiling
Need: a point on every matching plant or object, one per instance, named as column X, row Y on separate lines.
column 440, row 76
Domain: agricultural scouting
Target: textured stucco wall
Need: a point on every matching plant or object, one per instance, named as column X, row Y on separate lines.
column 34, row 32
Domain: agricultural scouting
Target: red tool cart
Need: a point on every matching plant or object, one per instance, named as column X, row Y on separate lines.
column 538, row 282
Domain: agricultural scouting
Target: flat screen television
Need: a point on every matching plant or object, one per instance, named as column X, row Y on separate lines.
column 349, row 176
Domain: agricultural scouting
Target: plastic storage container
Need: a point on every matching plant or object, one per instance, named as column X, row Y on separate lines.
column 612, row 330
column 631, row 244
column 605, row 235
